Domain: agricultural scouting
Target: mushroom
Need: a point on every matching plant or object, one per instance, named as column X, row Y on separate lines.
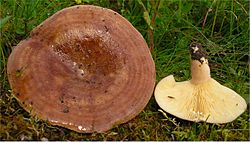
column 85, row 68
column 202, row 98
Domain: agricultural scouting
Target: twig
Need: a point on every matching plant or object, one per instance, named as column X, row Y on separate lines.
column 205, row 19
column 151, row 30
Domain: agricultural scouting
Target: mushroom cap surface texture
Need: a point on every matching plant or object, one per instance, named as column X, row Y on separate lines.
column 209, row 101
column 85, row 68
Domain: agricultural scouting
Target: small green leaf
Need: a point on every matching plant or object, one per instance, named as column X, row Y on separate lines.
column 141, row 3
column 145, row 14
column 78, row 1
column 147, row 18
column 20, row 31
column 4, row 21
column 187, row 7
column 83, row 1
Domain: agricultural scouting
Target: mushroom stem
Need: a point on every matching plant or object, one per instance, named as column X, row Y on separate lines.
column 200, row 70
column 202, row 98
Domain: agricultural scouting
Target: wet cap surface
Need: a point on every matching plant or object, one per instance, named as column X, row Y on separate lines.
column 85, row 68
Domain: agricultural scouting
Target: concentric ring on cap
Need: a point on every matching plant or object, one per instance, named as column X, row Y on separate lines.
column 85, row 68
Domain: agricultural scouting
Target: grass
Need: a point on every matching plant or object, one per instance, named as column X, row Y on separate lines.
column 224, row 34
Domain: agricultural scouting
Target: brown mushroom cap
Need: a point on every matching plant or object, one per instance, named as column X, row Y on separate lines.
column 85, row 68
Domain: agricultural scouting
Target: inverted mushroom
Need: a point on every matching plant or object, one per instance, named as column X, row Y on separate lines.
column 85, row 68
column 202, row 98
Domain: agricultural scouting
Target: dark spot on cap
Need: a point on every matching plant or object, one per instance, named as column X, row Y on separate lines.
column 35, row 34
column 61, row 98
column 66, row 109
column 114, row 13
column 19, row 72
column 106, row 28
column 79, row 67
column 77, row 7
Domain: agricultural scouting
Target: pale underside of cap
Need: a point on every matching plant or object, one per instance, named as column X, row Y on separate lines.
column 210, row 101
